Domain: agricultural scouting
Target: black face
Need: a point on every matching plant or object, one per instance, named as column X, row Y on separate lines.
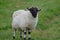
column 34, row 11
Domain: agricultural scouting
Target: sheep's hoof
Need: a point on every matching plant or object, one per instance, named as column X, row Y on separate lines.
column 24, row 38
column 13, row 37
column 20, row 36
column 29, row 38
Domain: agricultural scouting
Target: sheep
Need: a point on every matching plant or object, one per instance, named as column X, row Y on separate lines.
column 25, row 21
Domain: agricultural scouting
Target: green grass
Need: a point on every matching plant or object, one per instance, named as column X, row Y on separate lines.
column 48, row 27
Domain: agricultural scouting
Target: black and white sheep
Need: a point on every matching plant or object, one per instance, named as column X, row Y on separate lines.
column 25, row 21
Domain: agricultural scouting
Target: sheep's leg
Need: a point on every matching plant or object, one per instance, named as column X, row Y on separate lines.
column 21, row 34
column 14, row 34
column 29, row 36
column 25, row 35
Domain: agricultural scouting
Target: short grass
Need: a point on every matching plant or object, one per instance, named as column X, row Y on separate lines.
column 48, row 27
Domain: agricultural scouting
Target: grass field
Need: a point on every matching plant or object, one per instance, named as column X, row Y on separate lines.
column 48, row 27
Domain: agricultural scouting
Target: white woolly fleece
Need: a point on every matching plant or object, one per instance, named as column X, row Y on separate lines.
column 23, row 19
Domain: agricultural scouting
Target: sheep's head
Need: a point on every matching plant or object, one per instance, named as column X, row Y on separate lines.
column 34, row 11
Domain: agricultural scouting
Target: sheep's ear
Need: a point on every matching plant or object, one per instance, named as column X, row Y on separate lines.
column 39, row 10
column 28, row 8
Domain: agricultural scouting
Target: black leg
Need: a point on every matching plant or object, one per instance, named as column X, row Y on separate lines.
column 29, row 36
column 24, row 35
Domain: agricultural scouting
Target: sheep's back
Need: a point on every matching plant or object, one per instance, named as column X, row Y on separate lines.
column 24, row 20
